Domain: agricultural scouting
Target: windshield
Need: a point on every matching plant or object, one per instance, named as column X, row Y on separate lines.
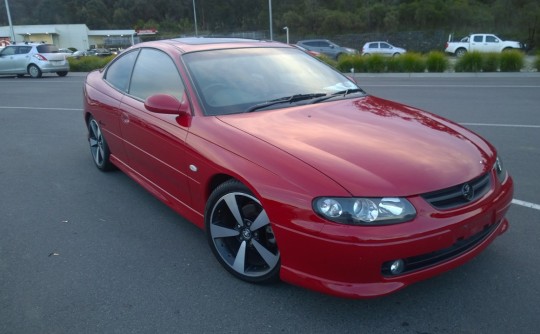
column 235, row 80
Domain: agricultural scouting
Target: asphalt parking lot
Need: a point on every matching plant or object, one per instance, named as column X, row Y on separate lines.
column 83, row 251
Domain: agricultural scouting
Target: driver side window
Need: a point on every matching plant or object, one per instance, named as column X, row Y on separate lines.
column 155, row 73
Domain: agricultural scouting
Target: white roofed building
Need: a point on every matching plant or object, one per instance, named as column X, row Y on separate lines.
column 76, row 36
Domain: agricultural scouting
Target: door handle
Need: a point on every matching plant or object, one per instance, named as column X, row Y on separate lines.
column 124, row 117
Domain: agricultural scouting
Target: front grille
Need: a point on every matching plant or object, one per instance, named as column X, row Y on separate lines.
column 454, row 197
column 461, row 246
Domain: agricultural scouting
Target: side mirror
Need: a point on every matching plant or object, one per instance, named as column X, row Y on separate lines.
column 167, row 104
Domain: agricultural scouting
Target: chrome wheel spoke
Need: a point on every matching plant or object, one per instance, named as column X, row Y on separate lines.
column 223, row 232
column 93, row 142
column 270, row 258
column 240, row 260
column 230, row 199
column 261, row 221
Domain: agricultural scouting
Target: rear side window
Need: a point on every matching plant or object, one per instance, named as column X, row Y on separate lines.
column 47, row 48
column 373, row 45
column 22, row 50
column 155, row 73
column 478, row 38
column 119, row 72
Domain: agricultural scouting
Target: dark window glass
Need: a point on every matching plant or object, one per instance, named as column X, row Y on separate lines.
column 385, row 46
column 155, row 73
column 9, row 50
column 491, row 39
column 24, row 50
column 478, row 38
column 119, row 72
column 47, row 48
column 373, row 45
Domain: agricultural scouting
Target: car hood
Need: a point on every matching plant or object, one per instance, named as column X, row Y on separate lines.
column 373, row 147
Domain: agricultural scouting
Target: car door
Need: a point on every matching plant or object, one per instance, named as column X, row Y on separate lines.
column 385, row 49
column 328, row 48
column 8, row 59
column 106, row 105
column 155, row 143
column 477, row 43
column 492, row 44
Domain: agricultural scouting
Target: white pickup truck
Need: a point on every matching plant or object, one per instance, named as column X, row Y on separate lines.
column 480, row 43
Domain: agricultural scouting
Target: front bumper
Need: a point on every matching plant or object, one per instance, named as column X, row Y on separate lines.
column 352, row 261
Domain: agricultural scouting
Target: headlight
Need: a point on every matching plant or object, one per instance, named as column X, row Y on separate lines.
column 499, row 169
column 364, row 211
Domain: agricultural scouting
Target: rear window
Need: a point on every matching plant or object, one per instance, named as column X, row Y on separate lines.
column 47, row 48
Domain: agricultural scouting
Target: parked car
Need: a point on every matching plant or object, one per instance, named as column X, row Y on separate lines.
column 80, row 53
column 33, row 59
column 480, row 43
column 326, row 47
column 382, row 48
column 313, row 53
column 291, row 169
column 100, row 52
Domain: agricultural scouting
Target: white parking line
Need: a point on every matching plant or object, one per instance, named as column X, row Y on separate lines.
column 504, row 125
column 40, row 108
column 526, row 204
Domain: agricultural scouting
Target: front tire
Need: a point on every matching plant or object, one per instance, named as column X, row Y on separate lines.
column 98, row 146
column 240, row 234
column 62, row 73
column 34, row 71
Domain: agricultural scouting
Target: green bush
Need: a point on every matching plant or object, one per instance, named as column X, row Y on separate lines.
column 328, row 60
column 469, row 62
column 348, row 62
column 537, row 61
column 491, row 62
column 512, row 61
column 88, row 63
column 394, row 65
column 375, row 63
column 412, row 62
column 436, row 61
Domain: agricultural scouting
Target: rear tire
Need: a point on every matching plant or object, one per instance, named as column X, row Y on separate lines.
column 34, row 71
column 98, row 146
column 460, row 52
column 62, row 73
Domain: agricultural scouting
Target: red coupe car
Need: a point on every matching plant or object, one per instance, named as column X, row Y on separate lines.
column 292, row 170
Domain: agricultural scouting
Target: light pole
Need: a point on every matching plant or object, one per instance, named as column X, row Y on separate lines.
column 10, row 24
column 270, row 15
column 287, row 31
column 195, row 18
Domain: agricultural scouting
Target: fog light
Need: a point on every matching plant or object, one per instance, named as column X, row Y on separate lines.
column 397, row 267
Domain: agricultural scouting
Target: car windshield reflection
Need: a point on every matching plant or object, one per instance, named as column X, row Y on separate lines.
column 235, row 80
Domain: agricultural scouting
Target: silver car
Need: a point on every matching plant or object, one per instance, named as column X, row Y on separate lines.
column 382, row 48
column 326, row 47
column 33, row 59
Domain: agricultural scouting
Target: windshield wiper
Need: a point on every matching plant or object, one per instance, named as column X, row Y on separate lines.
column 340, row 93
column 286, row 99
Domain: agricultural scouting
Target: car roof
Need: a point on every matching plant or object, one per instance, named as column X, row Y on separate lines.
column 29, row 44
column 314, row 40
column 193, row 44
